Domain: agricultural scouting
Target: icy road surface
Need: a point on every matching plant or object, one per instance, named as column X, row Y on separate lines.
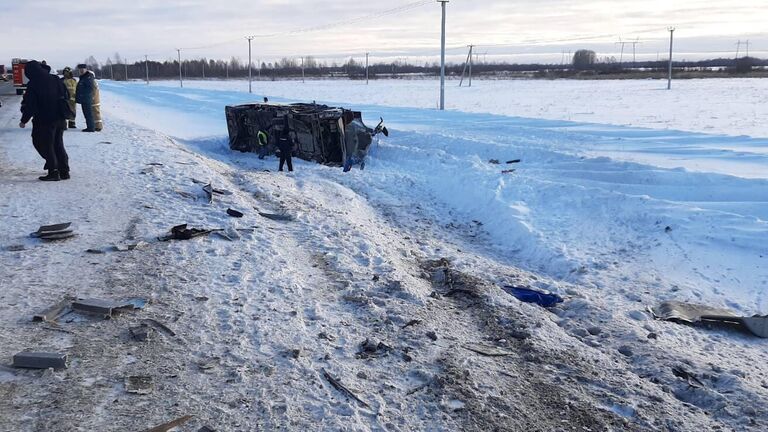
column 412, row 252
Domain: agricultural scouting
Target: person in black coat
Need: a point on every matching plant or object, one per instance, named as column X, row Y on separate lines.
column 43, row 104
column 285, row 145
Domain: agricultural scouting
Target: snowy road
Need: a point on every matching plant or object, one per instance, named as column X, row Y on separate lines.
column 260, row 318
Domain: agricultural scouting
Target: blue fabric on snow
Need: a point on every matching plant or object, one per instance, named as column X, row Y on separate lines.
column 528, row 295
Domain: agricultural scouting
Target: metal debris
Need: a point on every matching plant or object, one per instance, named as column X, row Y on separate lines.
column 341, row 388
column 40, row 360
column 695, row 313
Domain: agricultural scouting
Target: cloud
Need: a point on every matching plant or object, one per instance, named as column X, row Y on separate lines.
column 67, row 32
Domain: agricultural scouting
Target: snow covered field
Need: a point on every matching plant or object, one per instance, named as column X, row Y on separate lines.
column 625, row 195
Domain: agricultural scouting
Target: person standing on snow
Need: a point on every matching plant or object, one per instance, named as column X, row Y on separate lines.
column 46, row 103
column 87, row 95
column 263, row 140
column 71, row 84
column 285, row 145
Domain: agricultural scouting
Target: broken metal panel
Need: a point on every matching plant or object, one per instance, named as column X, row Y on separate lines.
column 675, row 310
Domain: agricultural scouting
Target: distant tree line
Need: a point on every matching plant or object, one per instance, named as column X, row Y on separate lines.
column 290, row 67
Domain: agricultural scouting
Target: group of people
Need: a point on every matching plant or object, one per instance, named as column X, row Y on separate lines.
column 50, row 103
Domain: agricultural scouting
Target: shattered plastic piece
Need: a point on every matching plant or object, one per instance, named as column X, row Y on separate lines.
column 208, row 189
column 53, row 312
column 40, row 360
column 689, row 377
column 277, row 217
column 165, row 427
column 528, row 295
column 181, row 232
column 54, row 232
column 487, row 351
column 694, row 313
column 372, row 349
column 160, row 326
column 55, row 227
column 139, row 385
column 235, row 213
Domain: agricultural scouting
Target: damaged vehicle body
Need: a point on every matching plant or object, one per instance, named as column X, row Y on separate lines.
column 323, row 134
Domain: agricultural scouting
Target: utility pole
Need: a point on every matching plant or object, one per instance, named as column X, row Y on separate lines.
column 636, row 41
column 621, row 56
column 250, row 64
column 146, row 66
column 181, row 79
column 471, row 48
column 738, row 48
column 671, row 39
column 442, row 57
column 366, row 68
column 747, row 44
column 466, row 63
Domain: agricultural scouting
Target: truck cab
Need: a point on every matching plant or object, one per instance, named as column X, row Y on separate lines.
column 19, row 79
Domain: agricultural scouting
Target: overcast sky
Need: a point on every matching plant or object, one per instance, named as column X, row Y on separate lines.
column 66, row 32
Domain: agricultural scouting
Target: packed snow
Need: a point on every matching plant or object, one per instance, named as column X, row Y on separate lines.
column 624, row 196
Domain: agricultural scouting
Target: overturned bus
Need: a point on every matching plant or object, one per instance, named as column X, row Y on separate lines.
column 328, row 135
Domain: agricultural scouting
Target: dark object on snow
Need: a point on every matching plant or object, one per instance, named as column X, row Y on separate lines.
column 54, row 232
column 53, row 312
column 513, row 161
column 141, row 333
column 55, row 227
column 94, row 306
column 139, row 385
column 494, row 161
column 164, row 328
column 165, row 427
column 181, row 232
column 328, row 135
column 340, row 387
column 487, row 351
column 689, row 377
column 372, row 349
column 234, row 213
column 40, row 360
column 509, row 171
column 277, row 217
column 206, row 429
column 411, row 323
column 528, row 295
column 694, row 313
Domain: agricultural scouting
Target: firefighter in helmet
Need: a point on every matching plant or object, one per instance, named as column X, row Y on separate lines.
column 71, row 84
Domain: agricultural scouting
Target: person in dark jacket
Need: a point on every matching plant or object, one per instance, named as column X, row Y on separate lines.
column 285, row 145
column 84, row 96
column 42, row 103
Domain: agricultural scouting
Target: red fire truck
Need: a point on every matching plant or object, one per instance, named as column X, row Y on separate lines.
column 19, row 79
